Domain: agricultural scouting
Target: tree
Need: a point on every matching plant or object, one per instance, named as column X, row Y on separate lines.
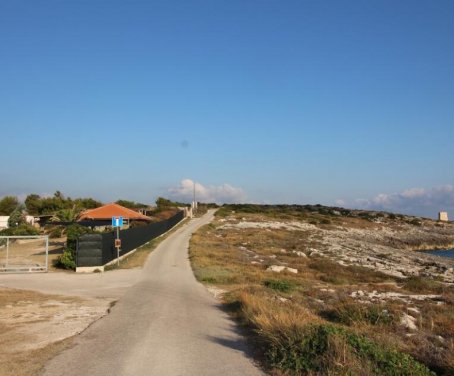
column 8, row 204
column 33, row 203
column 130, row 204
column 16, row 218
column 163, row 203
column 87, row 203
column 66, row 215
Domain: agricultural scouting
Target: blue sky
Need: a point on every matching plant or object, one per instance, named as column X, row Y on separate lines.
column 261, row 101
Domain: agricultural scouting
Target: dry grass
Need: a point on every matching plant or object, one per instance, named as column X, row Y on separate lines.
column 30, row 363
column 32, row 252
column 315, row 305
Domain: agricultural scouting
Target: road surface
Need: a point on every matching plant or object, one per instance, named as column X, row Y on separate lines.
column 166, row 324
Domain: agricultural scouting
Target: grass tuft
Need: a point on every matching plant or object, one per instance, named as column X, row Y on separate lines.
column 279, row 285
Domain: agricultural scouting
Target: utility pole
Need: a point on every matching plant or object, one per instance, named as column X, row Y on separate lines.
column 194, row 203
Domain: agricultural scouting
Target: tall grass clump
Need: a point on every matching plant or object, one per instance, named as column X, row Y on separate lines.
column 299, row 343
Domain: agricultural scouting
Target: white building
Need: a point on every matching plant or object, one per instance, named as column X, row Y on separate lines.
column 4, row 221
column 443, row 216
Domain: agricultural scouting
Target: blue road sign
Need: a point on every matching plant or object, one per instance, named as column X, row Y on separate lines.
column 117, row 221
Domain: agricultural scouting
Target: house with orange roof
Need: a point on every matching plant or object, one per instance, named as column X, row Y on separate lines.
column 104, row 214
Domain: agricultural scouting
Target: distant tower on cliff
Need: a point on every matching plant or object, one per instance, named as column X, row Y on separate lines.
column 443, row 216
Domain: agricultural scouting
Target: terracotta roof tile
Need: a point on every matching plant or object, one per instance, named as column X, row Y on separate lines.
column 112, row 210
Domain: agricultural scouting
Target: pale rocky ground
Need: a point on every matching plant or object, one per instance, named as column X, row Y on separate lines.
column 388, row 248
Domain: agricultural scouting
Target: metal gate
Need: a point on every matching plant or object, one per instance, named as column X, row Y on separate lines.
column 19, row 254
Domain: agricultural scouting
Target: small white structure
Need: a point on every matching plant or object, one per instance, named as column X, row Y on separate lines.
column 4, row 221
column 443, row 216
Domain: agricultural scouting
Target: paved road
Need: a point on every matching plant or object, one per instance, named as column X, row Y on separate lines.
column 165, row 325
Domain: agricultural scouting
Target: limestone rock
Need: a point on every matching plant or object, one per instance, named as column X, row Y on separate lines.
column 300, row 254
column 408, row 322
column 279, row 268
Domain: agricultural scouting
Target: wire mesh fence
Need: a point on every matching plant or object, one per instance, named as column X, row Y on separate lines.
column 24, row 253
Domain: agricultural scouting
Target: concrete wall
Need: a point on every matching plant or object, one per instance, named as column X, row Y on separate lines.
column 443, row 216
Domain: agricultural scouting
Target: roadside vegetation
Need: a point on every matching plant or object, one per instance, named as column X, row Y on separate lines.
column 327, row 318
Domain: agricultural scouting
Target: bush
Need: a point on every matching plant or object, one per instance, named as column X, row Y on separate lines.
column 66, row 260
column 423, row 285
column 415, row 222
column 23, row 229
column 352, row 313
column 55, row 232
column 16, row 218
column 326, row 349
column 279, row 285
column 73, row 232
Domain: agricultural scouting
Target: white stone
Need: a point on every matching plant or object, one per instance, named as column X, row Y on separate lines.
column 279, row 268
column 276, row 268
column 300, row 254
column 413, row 310
column 408, row 322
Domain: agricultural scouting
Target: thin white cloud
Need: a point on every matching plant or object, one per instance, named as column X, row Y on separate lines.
column 224, row 193
column 416, row 201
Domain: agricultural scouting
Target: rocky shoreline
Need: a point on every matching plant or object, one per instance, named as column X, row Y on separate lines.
column 390, row 247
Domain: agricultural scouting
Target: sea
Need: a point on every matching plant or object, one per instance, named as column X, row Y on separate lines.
column 443, row 253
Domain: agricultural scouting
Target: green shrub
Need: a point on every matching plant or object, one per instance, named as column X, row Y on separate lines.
column 415, row 222
column 56, row 232
column 16, row 218
column 73, row 232
column 325, row 349
column 279, row 285
column 23, row 229
column 66, row 260
column 421, row 285
column 351, row 313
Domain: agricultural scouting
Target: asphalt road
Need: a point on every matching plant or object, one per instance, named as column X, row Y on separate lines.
column 166, row 324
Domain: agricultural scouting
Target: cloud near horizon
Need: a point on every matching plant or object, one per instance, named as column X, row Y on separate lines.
column 221, row 194
column 416, row 201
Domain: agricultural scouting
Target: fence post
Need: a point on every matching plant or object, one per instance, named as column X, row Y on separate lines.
column 7, row 252
column 47, row 253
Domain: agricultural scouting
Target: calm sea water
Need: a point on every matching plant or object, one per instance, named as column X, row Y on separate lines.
column 448, row 253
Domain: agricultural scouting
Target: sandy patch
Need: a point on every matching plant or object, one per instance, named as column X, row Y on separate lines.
column 30, row 321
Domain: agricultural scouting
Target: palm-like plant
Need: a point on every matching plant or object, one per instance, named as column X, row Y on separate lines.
column 66, row 215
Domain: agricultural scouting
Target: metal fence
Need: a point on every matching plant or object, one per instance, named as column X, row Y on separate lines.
column 24, row 253
column 99, row 249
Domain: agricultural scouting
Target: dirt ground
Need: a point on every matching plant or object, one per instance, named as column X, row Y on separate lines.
column 34, row 327
column 24, row 253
